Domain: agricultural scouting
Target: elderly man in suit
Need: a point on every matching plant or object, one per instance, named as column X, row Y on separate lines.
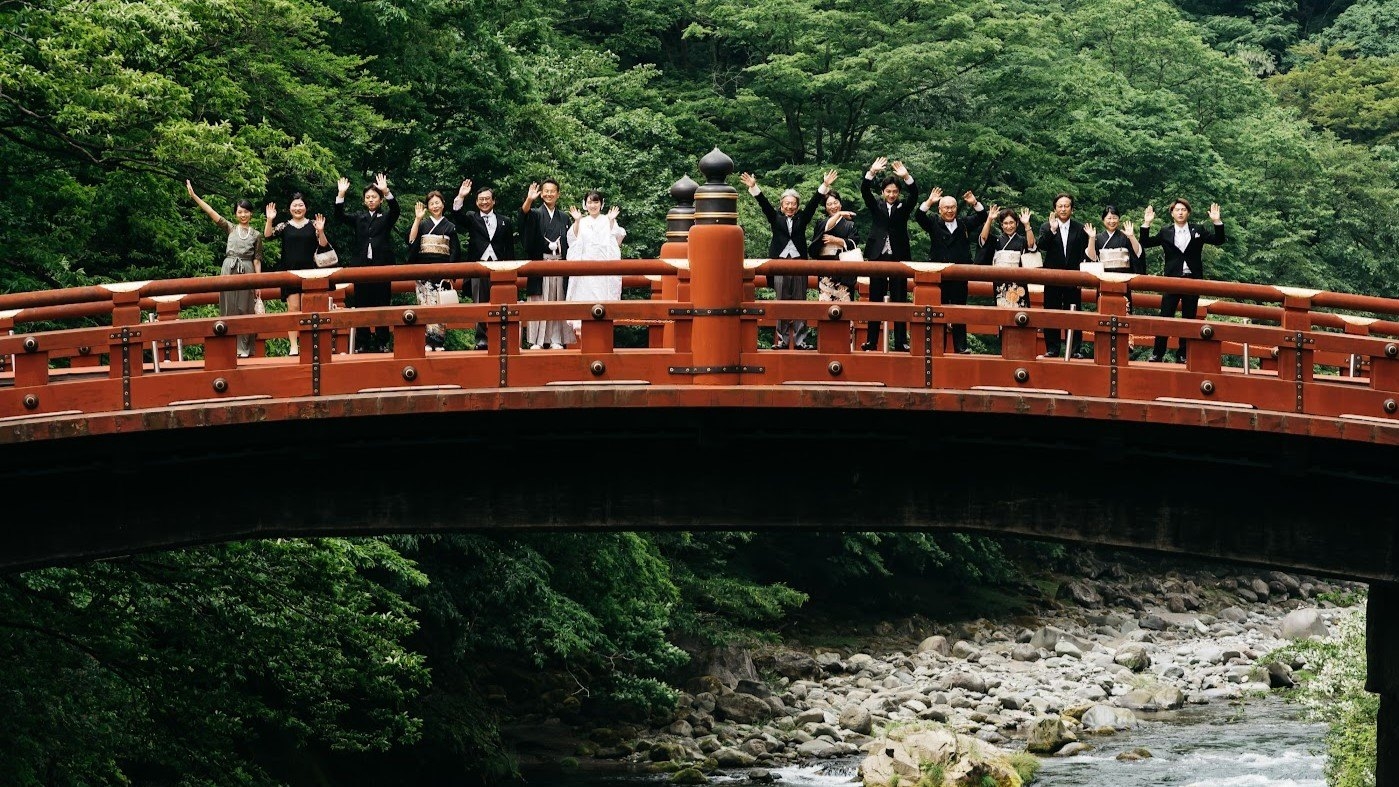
column 374, row 245
column 953, row 240
column 1182, row 243
column 898, row 195
column 789, row 242
column 1065, row 244
column 489, row 238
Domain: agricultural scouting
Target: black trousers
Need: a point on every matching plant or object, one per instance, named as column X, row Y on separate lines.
column 1060, row 298
column 897, row 289
column 1189, row 307
column 481, row 293
column 368, row 295
column 955, row 293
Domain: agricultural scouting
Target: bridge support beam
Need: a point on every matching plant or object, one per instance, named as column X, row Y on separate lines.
column 1382, row 675
column 716, row 276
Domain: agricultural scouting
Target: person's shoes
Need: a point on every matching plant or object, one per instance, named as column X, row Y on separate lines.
column 1050, row 355
column 481, row 344
column 1078, row 356
column 293, row 354
column 904, row 347
column 1180, row 359
column 555, row 346
column 1154, row 359
column 867, row 346
column 780, row 346
column 805, row 346
column 536, row 346
column 965, row 351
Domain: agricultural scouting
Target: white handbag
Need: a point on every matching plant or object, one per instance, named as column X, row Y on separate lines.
column 852, row 255
column 446, row 296
column 1031, row 259
column 327, row 258
column 1115, row 259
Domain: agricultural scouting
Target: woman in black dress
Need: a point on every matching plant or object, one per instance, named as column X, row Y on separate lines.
column 302, row 239
column 432, row 238
column 1005, row 249
column 830, row 237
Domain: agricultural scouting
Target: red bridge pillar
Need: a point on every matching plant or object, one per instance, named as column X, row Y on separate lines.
column 716, row 276
column 677, row 247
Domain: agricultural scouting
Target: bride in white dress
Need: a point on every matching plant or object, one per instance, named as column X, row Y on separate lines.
column 594, row 237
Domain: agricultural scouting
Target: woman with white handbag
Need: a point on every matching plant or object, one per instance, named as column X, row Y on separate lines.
column 1006, row 250
column 302, row 242
column 433, row 238
column 834, row 238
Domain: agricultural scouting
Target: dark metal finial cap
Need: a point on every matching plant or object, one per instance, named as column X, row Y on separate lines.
column 716, row 166
column 683, row 192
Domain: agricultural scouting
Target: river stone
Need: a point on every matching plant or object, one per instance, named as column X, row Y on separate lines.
column 857, row 719
column 1260, row 588
column 1134, row 657
column 908, row 753
column 689, row 776
column 1066, row 648
column 815, row 715
column 1134, row 755
column 1081, row 593
column 1303, row 623
column 935, row 644
column 1247, row 595
column 733, row 758
column 1233, row 614
column 964, row 649
column 1280, row 676
column 1025, row 652
column 965, row 681
column 742, row 708
column 681, row 729
column 794, row 665
column 1108, row 716
column 859, row 661
column 760, row 776
column 1048, row 736
column 1152, row 623
column 1077, row 747
column 830, row 661
column 818, row 749
column 1153, row 698
column 729, row 664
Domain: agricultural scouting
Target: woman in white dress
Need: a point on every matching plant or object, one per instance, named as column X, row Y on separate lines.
column 594, row 237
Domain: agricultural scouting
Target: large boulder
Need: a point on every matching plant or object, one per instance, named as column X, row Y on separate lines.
column 793, row 665
column 857, row 719
column 742, row 708
column 729, row 664
column 1134, row 657
column 1303, row 623
column 1080, row 593
column 906, row 754
column 1049, row 735
column 935, row 644
column 1100, row 716
column 1153, row 698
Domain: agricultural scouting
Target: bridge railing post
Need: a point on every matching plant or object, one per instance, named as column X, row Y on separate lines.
column 315, row 343
column 716, row 276
column 1112, row 303
column 927, row 291
column 126, row 356
column 1295, row 359
column 679, row 220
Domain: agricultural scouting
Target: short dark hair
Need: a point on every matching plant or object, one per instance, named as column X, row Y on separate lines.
column 547, row 181
column 593, row 194
column 1008, row 212
column 1180, row 200
column 833, row 193
column 485, row 190
column 434, row 193
column 244, row 204
column 1111, row 209
column 890, row 181
column 296, row 195
column 375, row 189
column 1064, row 195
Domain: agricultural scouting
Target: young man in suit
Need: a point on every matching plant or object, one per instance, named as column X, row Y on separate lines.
column 952, row 240
column 489, row 238
column 544, row 232
column 789, row 243
column 374, row 245
column 1065, row 244
column 1182, row 244
column 889, row 240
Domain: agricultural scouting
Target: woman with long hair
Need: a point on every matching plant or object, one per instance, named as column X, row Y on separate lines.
column 242, row 255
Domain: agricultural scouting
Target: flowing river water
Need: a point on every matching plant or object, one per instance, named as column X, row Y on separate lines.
column 1261, row 742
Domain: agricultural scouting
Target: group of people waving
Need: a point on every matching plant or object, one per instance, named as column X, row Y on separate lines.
column 976, row 235
column 546, row 232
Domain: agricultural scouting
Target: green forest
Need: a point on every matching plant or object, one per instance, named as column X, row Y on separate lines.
column 297, row 662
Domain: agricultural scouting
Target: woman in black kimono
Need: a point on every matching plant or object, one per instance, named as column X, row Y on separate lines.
column 432, row 238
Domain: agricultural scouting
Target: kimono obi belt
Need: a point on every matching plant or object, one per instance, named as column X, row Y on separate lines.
column 435, row 244
column 1008, row 258
column 1115, row 259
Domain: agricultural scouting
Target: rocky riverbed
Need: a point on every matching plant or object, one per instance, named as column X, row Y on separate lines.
column 1117, row 649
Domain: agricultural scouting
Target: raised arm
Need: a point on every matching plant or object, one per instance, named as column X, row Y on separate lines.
column 908, row 186
column 1092, row 250
column 271, row 212
column 204, row 206
column 1147, row 239
column 1218, row 221
column 1030, row 244
column 340, row 216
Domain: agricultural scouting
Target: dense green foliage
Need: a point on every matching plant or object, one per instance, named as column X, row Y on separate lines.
column 210, row 666
column 1335, row 693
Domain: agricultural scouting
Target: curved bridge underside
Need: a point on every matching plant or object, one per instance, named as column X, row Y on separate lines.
column 1269, row 489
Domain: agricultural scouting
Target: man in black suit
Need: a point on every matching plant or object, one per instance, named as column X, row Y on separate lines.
column 374, row 245
column 953, row 240
column 544, row 232
column 789, row 243
column 1065, row 244
column 1182, row 244
column 889, row 239
column 489, row 238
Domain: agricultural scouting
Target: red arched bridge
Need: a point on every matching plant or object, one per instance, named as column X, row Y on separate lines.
column 1273, row 443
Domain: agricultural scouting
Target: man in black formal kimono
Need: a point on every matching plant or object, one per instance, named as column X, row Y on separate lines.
column 489, row 238
column 374, row 245
column 789, row 242
column 544, row 233
column 1182, row 243
column 953, row 240
column 898, row 196
column 1065, row 244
